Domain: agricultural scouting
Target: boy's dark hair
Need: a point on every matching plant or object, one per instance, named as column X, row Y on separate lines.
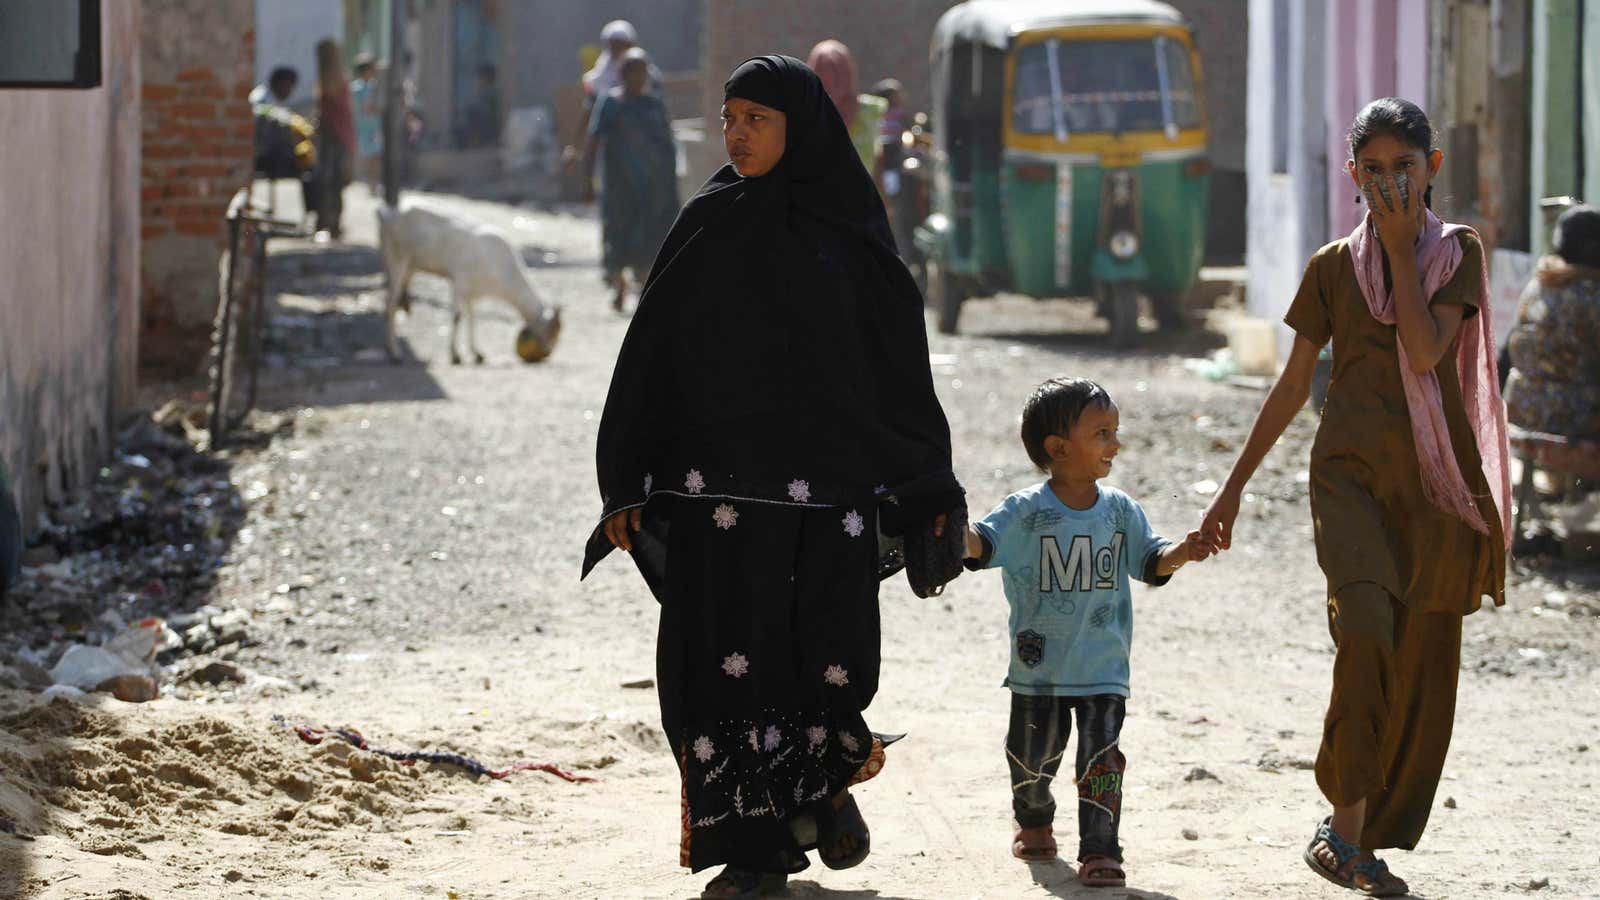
column 282, row 80
column 1396, row 118
column 1054, row 408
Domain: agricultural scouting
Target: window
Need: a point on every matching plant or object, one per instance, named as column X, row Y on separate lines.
column 50, row 45
column 1104, row 86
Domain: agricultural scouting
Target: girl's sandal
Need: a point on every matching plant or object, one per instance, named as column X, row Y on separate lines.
column 1343, row 853
column 1101, row 871
column 744, row 884
column 1034, row 844
column 1372, row 877
column 836, row 823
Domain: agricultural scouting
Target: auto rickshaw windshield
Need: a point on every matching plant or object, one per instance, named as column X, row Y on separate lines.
column 1145, row 84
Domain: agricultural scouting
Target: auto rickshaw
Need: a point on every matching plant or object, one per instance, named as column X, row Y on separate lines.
column 1070, row 157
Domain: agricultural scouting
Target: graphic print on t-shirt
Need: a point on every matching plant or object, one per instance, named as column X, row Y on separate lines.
column 1066, row 581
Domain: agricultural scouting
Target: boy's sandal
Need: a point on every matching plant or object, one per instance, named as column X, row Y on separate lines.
column 1034, row 844
column 836, row 823
column 1372, row 878
column 1101, row 871
column 743, row 884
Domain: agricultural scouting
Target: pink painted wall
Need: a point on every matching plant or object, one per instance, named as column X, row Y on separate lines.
column 69, row 251
column 1377, row 48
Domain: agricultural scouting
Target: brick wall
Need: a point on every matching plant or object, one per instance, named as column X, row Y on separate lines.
column 198, row 58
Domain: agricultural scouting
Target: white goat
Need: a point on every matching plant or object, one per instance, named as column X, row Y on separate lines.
column 479, row 262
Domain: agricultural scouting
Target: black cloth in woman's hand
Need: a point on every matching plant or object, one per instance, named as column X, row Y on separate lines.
column 778, row 353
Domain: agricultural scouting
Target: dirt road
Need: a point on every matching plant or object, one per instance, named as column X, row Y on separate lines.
column 408, row 567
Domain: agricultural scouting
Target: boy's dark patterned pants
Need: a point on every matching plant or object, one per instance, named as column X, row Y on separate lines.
column 1035, row 745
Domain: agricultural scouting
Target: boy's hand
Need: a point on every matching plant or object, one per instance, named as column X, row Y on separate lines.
column 1198, row 547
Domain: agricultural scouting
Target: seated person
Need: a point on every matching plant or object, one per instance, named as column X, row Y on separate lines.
column 1554, row 385
column 284, row 145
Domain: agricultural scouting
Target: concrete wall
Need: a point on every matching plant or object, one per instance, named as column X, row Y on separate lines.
column 287, row 32
column 70, row 254
column 1307, row 81
column 1222, row 32
column 1288, row 123
column 198, row 59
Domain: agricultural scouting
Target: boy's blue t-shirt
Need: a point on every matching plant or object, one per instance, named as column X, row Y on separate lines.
column 1066, row 578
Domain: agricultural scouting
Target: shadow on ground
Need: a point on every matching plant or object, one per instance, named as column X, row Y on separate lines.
column 1060, row 878
column 325, row 337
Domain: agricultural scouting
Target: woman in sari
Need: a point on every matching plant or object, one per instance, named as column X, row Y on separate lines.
column 771, row 403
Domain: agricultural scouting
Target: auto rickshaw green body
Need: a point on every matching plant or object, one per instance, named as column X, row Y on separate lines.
column 1038, row 210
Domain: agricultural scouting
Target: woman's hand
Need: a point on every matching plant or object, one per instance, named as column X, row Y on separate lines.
column 620, row 527
column 1217, row 526
column 1399, row 223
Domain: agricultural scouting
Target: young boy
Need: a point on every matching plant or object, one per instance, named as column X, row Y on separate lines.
column 1067, row 548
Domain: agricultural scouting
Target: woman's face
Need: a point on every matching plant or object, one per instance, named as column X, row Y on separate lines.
column 635, row 76
column 1385, row 155
column 753, row 135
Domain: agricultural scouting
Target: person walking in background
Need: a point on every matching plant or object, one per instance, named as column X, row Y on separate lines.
column 862, row 113
column 366, row 96
column 639, row 187
column 618, row 37
column 336, row 139
column 482, row 119
column 1555, row 370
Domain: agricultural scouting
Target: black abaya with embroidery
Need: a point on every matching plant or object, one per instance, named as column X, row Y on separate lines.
column 771, row 407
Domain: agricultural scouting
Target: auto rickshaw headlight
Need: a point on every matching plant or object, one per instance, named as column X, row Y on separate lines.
column 1124, row 244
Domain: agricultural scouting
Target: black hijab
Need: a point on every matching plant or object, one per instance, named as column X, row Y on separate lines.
column 778, row 353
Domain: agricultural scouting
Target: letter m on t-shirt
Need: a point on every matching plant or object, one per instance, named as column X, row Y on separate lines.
column 1076, row 572
column 1073, row 573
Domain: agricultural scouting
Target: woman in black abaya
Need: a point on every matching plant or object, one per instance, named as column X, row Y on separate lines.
column 772, row 396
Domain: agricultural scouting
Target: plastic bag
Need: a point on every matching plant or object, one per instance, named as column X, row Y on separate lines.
column 131, row 652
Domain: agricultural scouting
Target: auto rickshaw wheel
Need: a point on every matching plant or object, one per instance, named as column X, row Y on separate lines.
column 1123, row 298
column 944, row 293
column 1169, row 309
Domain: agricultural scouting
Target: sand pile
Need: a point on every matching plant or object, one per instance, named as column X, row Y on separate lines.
column 114, row 781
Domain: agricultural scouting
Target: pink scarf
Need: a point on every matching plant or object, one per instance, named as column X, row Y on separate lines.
column 1438, row 255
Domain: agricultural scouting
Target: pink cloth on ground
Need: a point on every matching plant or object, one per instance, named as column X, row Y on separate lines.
column 1438, row 256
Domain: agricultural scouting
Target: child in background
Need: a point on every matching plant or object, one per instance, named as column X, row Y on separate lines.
column 1067, row 548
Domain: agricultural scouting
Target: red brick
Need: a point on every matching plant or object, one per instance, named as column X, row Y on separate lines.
column 148, row 231
column 198, row 73
column 210, row 91
column 203, row 132
column 193, row 110
column 158, row 93
column 198, row 228
column 169, row 151
column 204, row 170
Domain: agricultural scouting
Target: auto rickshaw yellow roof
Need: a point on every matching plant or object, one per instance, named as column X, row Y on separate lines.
column 996, row 22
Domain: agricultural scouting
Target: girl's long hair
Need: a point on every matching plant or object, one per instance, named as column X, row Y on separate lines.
column 330, row 67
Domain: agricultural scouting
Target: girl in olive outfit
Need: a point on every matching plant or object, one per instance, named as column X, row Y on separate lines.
column 1408, row 488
